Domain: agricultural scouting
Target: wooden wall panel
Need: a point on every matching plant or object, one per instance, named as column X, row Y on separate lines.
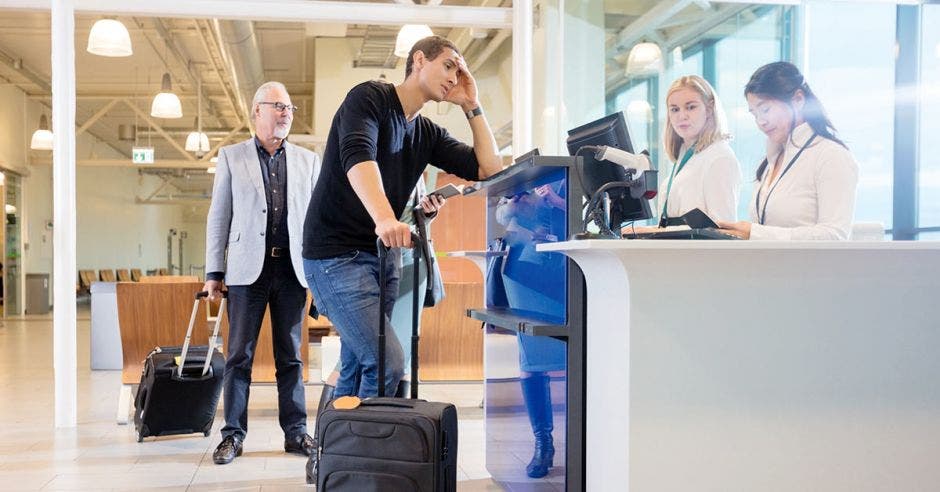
column 152, row 315
column 168, row 279
column 451, row 343
column 461, row 226
column 157, row 314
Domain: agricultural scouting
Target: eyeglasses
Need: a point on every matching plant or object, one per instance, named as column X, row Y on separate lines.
column 280, row 107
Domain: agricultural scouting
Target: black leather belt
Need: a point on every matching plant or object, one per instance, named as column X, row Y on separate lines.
column 277, row 252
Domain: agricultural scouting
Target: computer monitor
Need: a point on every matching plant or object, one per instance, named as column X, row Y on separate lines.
column 610, row 131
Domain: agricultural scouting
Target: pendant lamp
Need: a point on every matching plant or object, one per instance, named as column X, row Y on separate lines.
column 408, row 36
column 109, row 37
column 166, row 104
column 645, row 59
column 42, row 138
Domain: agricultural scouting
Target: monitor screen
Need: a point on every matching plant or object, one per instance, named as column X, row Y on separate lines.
column 610, row 131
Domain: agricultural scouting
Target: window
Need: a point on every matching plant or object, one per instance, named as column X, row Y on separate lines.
column 634, row 102
column 851, row 69
column 929, row 171
column 755, row 42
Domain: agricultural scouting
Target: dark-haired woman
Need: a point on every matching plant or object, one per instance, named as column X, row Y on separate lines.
column 806, row 186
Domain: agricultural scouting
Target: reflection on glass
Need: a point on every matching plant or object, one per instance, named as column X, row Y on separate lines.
column 531, row 369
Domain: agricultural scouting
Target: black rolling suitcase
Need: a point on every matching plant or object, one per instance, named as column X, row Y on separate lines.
column 388, row 444
column 179, row 387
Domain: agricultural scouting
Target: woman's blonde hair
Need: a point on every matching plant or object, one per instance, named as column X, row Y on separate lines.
column 715, row 126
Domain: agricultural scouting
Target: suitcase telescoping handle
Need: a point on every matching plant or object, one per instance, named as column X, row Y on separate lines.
column 383, row 258
column 212, row 339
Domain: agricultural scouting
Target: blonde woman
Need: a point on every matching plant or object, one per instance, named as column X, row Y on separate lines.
column 705, row 173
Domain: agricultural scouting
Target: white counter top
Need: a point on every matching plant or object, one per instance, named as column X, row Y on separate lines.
column 758, row 365
column 662, row 244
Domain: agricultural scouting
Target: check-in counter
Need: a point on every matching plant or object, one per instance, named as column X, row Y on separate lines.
column 743, row 365
column 533, row 315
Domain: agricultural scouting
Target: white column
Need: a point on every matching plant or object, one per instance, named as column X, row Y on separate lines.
column 63, row 186
column 522, row 82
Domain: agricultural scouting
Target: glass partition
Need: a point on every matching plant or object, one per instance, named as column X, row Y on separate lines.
column 847, row 50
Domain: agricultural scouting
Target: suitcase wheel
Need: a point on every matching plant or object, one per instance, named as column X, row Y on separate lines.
column 206, row 433
column 140, row 437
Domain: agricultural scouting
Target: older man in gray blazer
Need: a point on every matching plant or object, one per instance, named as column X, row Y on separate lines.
column 259, row 201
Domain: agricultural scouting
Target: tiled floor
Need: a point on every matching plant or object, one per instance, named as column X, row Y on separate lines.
column 101, row 455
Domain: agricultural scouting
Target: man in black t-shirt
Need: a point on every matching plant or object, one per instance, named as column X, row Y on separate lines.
column 377, row 148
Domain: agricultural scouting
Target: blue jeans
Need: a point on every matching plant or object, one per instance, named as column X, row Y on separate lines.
column 346, row 290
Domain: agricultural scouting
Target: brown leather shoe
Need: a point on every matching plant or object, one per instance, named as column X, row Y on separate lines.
column 300, row 444
column 228, row 449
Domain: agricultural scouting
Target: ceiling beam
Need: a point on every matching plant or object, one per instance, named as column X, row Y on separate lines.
column 293, row 11
column 159, row 129
column 18, row 66
column 461, row 36
column 711, row 20
column 172, row 200
column 227, row 139
column 38, row 79
column 159, row 164
column 164, row 182
column 493, row 45
column 645, row 24
column 91, row 95
column 95, row 117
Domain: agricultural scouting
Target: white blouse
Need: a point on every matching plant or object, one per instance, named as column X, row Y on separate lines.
column 710, row 182
column 815, row 199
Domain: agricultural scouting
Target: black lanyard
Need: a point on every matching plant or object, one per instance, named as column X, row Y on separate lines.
column 762, row 213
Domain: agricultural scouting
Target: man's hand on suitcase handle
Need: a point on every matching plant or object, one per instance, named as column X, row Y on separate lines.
column 214, row 289
column 413, row 238
column 394, row 234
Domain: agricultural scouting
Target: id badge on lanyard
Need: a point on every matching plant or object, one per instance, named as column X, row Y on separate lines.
column 762, row 212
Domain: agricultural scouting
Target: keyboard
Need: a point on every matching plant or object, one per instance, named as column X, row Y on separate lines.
column 699, row 233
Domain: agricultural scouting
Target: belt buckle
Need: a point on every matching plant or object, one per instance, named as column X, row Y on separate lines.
column 276, row 252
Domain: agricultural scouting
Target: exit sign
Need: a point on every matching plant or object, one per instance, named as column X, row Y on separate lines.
column 142, row 155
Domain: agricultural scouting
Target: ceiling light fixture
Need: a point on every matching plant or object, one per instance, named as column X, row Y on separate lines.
column 640, row 110
column 408, row 36
column 166, row 104
column 109, row 37
column 677, row 57
column 197, row 141
column 42, row 138
column 645, row 59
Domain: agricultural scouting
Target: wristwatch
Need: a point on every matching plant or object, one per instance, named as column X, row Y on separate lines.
column 477, row 111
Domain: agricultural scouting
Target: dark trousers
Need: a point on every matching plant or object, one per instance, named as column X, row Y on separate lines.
column 278, row 287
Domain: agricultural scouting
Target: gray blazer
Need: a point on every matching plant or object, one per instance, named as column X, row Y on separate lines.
column 238, row 212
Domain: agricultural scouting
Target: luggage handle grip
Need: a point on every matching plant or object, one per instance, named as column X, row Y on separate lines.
column 385, row 402
column 203, row 376
column 205, row 293
column 212, row 339
column 383, row 249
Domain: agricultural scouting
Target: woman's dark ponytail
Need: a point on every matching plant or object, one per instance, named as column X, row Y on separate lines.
column 780, row 81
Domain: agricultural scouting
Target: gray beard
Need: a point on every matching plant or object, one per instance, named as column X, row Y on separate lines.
column 281, row 132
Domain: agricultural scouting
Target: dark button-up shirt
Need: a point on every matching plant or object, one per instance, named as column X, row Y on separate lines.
column 274, row 172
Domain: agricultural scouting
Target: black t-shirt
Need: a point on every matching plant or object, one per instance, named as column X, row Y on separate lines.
column 370, row 125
